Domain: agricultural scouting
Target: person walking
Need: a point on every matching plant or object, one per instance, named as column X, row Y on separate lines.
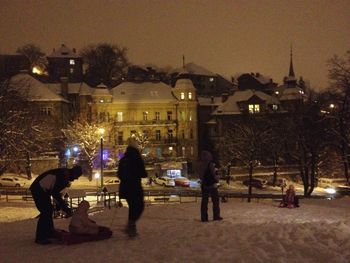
column 209, row 178
column 131, row 169
column 46, row 185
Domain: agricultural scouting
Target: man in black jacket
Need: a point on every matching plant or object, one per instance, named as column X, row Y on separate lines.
column 51, row 183
column 131, row 169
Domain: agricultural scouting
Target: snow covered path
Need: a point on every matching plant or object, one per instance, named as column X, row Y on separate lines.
column 318, row 231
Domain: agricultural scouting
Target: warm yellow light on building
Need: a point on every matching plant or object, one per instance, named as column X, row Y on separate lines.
column 37, row 70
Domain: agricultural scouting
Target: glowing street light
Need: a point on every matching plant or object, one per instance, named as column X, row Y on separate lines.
column 101, row 131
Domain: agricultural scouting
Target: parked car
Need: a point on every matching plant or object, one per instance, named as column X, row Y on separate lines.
column 258, row 183
column 279, row 182
column 112, row 181
column 182, row 181
column 165, row 181
column 12, row 181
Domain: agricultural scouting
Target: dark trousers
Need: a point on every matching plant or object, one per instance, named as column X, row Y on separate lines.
column 214, row 194
column 136, row 207
column 45, row 225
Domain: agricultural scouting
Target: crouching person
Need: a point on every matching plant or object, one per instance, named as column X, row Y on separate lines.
column 290, row 200
column 50, row 184
column 81, row 224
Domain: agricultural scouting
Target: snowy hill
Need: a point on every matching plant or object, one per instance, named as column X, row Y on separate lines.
column 318, row 231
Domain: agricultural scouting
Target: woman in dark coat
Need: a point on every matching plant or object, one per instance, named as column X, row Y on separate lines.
column 209, row 178
column 131, row 169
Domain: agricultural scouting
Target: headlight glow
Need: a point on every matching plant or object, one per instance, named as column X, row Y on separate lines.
column 330, row 191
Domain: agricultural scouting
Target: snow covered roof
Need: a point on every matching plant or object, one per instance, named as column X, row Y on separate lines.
column 286, row 93
column 150, row 92
column 33, row 89
column 192, row 68
column 64, row 52
column 101, row 91
column 210, row 101
column 230, row 106
column 185, row 84
column 259, row 77
column 80, row 88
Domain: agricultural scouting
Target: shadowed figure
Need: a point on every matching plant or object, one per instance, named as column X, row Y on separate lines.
column 131, row 169
column 209, row 178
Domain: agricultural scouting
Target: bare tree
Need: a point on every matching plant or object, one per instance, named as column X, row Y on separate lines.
column 244, row 142
column 106, row 63
column 310, row 127
column 34, row 55
column 22, row 133
column 339, row 75
column 87, row 136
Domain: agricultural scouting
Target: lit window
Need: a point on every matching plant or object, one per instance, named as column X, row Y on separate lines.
column 277, row 92
column 275, row 107
column 145, row 115
column 211, row 79
column 119, row 116
column 183, row 150
column 71, row 62
column 102, row 100
column 157, row 114
column 171, row 148
column 190, row 116
column 71, row 70
column 182, row 95
column 190, row 95
column 192, row 151
column 254, row 108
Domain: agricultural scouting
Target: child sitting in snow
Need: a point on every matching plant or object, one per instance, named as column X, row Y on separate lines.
column 290, row 200
column 81, row 224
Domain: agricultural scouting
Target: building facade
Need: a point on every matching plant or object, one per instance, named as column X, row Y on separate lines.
column 164, row 118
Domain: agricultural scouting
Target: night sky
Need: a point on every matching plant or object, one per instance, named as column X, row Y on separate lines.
column 226, row 37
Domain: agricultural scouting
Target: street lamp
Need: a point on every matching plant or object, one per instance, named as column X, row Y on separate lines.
column 101, row 131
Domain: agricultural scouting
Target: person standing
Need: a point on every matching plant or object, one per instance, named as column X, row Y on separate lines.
column 131, row 169
column 46, row 185
column 209, row 186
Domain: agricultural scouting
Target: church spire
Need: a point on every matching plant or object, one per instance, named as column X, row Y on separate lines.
column 291, row 69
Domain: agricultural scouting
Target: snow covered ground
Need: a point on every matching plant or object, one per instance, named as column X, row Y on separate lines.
column 318, row 231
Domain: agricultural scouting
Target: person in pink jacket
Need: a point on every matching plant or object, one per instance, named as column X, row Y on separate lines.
column 81, row 223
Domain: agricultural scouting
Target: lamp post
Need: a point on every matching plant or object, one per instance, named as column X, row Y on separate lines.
column 101, row 130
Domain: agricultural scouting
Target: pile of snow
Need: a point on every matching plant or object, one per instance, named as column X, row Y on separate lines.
column 318, row 231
